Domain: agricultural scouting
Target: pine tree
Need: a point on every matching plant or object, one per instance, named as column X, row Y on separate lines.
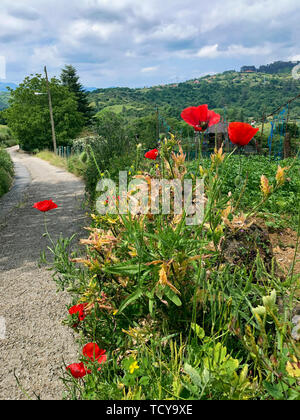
column 70, row 79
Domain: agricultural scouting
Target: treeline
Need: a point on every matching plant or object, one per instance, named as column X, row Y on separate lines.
column 273, row 68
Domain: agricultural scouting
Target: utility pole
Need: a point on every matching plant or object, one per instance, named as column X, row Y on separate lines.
column 51, row 112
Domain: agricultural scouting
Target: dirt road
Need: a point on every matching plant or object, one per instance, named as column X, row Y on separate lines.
column 34, row 343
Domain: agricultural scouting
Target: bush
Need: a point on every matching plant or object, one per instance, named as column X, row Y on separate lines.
column 6, row 172
column 6, row 138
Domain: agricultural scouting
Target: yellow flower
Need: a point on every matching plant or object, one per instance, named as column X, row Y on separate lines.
column 134, row 366
column 280, row 176
column 202, row 171
column 265, row 186
column 293, row 368
column 218, row 156
column 115, row 312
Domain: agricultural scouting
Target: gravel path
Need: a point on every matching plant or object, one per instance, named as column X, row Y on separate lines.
column 36, row 343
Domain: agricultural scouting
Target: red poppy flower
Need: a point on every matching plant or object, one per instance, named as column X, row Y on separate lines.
column 200, row 117
column 45, row 205
column 77, row 370
column 241, row 133
column 78, row 309
column 152, row 154
column 93, row 352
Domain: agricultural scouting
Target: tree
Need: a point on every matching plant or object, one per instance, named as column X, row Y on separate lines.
column 70, row 79
column 28, row 115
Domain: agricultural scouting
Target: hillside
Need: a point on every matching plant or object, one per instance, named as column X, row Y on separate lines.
column 4, row 96
column 236, row 95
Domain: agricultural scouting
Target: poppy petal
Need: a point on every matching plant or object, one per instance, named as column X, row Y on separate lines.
column 77, row 370
column 213, row 118
column 195, row 114
column 241, row 133
column 45, row 205
column 152, row 154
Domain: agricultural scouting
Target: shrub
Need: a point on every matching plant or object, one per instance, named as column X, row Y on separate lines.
column 6, row 172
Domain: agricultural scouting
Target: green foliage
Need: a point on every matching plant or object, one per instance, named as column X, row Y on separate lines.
column 4, row 98
column 178, row 320
column 246, row 95
column 29, row 119
column 6, row 172
column 6, row 138
column 70, row 79
column 111, row 151
column 283, row 202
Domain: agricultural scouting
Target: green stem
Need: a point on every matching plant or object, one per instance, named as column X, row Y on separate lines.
column 94, row 159
column 46, row 230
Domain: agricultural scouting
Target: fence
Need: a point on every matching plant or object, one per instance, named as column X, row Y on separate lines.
column 64, row 151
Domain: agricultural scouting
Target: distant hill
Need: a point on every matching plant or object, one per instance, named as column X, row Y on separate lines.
column 236, row 95
column 4, row 96
column 89, row 89
column 3, row 86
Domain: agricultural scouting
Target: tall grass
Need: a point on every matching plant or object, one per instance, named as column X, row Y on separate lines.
column 74, row 164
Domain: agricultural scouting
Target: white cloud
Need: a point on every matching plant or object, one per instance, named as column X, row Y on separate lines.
column 209, row 51
column 117, row 41
column 295, row 58
column 213, row 51
column 149, row 69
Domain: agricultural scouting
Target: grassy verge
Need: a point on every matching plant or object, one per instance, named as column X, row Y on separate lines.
column 72, row 164
column 6, row 172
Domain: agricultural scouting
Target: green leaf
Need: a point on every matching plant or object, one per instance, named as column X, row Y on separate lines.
column 172, row 296
column 193, row 374
column 198, row 330
column 273, row 390
column 132, row 298
column 124, row 269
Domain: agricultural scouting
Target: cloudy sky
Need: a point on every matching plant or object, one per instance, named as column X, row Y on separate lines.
column 140, row 43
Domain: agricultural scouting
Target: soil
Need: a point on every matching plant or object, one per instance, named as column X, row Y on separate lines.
column 34, row 345
column 284, row 244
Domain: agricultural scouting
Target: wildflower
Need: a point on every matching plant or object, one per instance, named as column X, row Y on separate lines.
column 78, row 309
column 77, row 370
column 115, row 312
column 218, row 156
column 152, row 154
column 259, row 311
column 202, row 171
column 93, row 352
column 265, row 186
column 280, row 176
column 200, row 117
column 241, row 133
column 293, row 368
column 270, row 301
column 134, row 366
column 45, row 205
